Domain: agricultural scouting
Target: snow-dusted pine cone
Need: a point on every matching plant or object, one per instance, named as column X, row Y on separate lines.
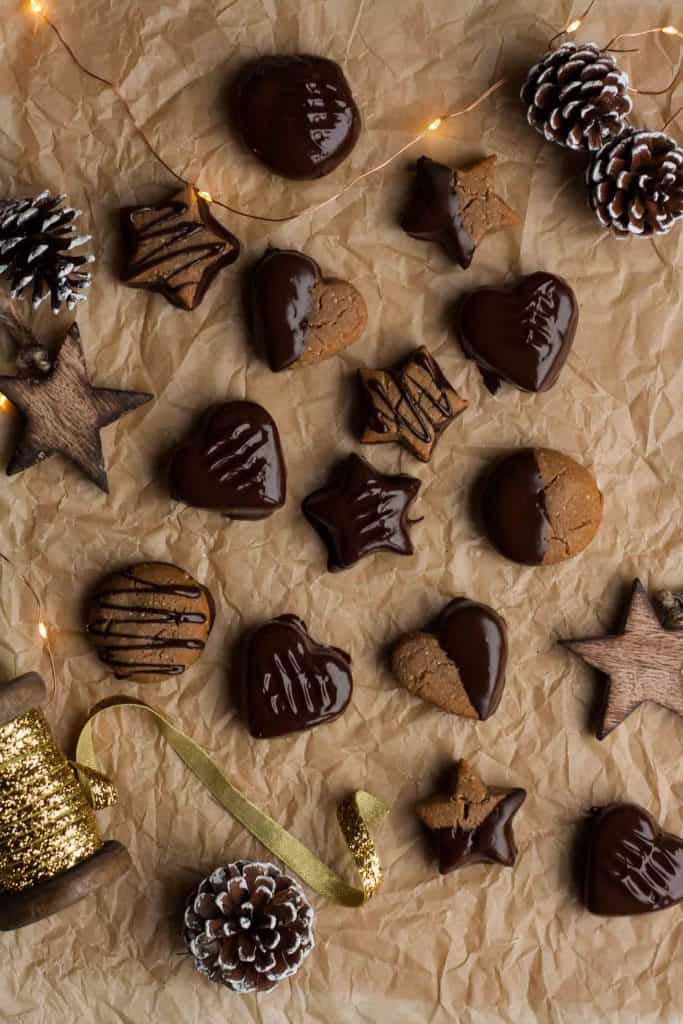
column 635, row 183
column 248, row 926
column 37, row 236
column 577, row 96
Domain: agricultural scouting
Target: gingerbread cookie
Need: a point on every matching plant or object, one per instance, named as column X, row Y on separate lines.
column 150, row 622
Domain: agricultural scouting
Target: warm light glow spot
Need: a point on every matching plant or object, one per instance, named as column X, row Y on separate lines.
column 669, row 30
column 42, row 629
column 436, row 123
column 36, row 6
column 573, row 25
column 4, row 404
column 205, row 195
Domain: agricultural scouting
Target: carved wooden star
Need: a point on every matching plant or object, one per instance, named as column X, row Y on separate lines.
column 176, row 247
column 473, row 823
column 62, row 413
column 455, row 208
column 644, row 662
column 362, row 511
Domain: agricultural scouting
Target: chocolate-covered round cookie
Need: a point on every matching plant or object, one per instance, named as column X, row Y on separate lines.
column 541, row 507
column 296, row 114
column 150, row 622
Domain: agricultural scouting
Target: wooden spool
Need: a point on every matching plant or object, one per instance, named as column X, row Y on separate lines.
column 112, row 860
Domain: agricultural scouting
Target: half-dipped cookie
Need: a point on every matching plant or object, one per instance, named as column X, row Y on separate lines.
column 458, row 666
column 299, row 317
column 540, row 507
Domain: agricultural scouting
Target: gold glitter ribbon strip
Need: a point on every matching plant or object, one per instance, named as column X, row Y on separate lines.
column 46, row 823
column 356, row 814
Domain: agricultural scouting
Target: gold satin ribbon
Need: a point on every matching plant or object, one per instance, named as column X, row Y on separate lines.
column 356, row 814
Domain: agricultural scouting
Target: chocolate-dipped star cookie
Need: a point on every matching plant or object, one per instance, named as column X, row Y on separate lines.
column 362, row 511
column 62, row 413
column 455, row 208
column 412, row 403
column 644, row 662
column 176, row 247
column 473, row 824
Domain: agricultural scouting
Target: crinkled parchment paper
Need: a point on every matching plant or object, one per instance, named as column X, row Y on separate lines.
column 479, row 946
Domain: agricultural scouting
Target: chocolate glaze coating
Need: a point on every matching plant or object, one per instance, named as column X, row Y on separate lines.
column 280, row 303
column 433, row 213
column 362, row 511
column 632, row 867
column 522, row 334
column 474, row 636
column 296, row 114
column 492, row 842
column 513, row 508
column 289, row 682
column 232, row 463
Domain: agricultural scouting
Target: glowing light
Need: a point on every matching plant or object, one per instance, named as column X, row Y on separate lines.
column 669, row 30
column 42, row 629
column 36, row 6
column 433, row 125
column 573, row 25
column 205, row 195
column 4, row 404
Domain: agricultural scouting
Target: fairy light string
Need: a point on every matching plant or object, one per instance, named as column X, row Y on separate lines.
column 41, row 625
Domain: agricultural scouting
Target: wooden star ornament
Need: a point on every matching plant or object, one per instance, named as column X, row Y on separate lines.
column 643, row 662
column 62, row 413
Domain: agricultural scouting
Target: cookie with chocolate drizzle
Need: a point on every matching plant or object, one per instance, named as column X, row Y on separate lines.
column 150, row 622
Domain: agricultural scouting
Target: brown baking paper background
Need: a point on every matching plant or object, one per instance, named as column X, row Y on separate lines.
column 478, row 946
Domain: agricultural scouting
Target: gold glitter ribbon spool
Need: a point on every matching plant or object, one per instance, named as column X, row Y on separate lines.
column 51, row 851
column 356, row 814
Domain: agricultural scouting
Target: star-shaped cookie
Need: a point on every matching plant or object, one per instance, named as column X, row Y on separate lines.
column 473, row 823
column 412, row 403
column 644, row 662
column 362, row 511
column 176, row 247
column 62, row 413
column 455, row 208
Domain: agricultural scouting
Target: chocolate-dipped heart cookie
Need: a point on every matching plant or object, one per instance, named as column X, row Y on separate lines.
column 521, row 335
column 232, row 463
column 460, row 666
column 296, row 113
column 632, row 867
column 288, row 681
column 298, row 316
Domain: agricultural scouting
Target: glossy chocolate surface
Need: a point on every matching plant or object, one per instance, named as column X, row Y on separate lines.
column 433, row 212
column 362, row 511
column 492, row 842
column 521, row 335
column 290, row 682
column 280, row 304
column 296, row 114
column 633, row 867
column 474, row 637
column 232, row 463
column 513, row 508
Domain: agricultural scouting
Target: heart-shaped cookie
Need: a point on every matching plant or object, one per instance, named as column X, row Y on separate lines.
column 460, row 666
column 522, row 334
column 633, row 867
column 232, row 463
column 298, row 316
column 288, row 681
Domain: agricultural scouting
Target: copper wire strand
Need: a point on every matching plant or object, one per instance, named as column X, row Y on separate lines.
column 39, row 607
column 245, row 213
column 581, row 18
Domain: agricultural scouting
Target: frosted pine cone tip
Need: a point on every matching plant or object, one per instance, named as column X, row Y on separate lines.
column 248, row 926
column 577, row 96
